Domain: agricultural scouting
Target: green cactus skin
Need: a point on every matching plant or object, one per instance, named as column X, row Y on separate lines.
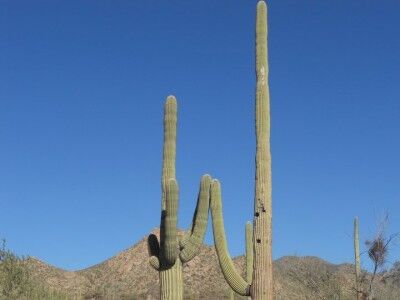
column 194, row 237
column 357, row 258
column 261, row 287
column 249, row 252
column 249, row 257
column 169, row 149
column 232, row 277
column 168, row 254
column 231, row 295
column 170, row 220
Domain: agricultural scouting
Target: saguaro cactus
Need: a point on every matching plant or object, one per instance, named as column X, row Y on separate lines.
column 357, row 259
column 168, row 254
column 261, row 285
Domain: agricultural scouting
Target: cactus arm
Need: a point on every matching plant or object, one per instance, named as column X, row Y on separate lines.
column 188, row 233
column 154, row 262
column 232, row 277
column 203, row 206
column 170, row 249
column 249, row 252
column 185, row 238
column 192, row 244
column 201, row 213
column 153, row 248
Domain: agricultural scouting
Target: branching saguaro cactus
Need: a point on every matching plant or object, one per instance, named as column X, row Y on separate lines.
column 169, row 253
column 261, row 285
column 357, row 260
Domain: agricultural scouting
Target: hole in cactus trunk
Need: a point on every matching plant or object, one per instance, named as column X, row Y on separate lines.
column 258, row 241
column 257, row 214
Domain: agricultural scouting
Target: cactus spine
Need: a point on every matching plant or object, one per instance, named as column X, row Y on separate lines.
column 357, row 258
column 168, row 254
column 261, row 285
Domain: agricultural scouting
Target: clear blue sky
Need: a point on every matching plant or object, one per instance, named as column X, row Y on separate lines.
column 82, row 86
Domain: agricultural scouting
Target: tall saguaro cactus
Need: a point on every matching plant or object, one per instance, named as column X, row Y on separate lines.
column 169, row 253
column 261, row 285
column 357, row 259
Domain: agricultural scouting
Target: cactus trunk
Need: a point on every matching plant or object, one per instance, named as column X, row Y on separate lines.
column 262, row 285
column 170, row 275
column 171, row 282
column 357, row 259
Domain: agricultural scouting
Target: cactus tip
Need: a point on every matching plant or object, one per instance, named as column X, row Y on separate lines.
column 261, row 4
column 206, row 177
column 215, row 182
column 171, row 98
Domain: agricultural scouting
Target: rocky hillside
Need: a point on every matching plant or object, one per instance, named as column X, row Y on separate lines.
column 128, row 275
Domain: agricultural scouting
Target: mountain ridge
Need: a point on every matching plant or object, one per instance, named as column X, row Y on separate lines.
column 128, row 275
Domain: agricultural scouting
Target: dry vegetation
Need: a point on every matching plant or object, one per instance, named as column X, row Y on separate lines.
column 129, row 276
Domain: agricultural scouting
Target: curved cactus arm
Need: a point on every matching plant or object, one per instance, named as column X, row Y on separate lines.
column 188, row 233
column 199, row 225
column 153, row 247
column 170, row 245
column 249, row 252
column 232, row 277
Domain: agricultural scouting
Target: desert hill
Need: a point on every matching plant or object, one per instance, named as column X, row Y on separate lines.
column 128, row 275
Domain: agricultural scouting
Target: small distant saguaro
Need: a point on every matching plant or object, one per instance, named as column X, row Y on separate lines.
column 357, row 259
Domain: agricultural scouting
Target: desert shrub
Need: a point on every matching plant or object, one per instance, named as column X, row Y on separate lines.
column 14, row 277
column 16, row 281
